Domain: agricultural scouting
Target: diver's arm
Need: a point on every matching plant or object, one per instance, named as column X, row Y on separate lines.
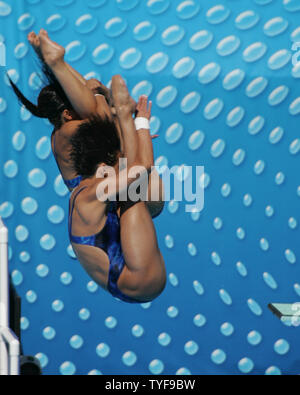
column 144, row 137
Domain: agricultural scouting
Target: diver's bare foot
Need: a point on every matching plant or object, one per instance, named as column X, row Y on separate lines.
column 34, row 41
column 121, row 96
column 52, row 52
column 120, row 92
column 133, row 105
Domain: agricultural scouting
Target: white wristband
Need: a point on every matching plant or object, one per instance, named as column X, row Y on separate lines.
column 142, row 123
column 98, row 94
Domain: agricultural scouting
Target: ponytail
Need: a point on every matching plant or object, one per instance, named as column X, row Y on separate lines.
column 34, row 109
column 52, row 100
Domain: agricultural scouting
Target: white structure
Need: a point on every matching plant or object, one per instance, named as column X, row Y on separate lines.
column 9, row 344
column 2, row 55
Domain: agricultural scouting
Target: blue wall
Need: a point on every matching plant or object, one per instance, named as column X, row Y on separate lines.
column 225, row 265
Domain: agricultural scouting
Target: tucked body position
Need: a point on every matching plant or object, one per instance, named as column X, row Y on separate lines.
column 122, row 255
column 67, row 102
column 115, row 240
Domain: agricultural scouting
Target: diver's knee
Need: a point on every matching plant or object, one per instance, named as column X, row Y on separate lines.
column 157, row 279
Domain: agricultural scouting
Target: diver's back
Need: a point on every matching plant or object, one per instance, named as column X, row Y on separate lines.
column 61, row 148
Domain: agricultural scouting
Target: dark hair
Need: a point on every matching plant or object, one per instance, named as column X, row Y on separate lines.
column 52, row 100
column 95, row 141
column 106, row 93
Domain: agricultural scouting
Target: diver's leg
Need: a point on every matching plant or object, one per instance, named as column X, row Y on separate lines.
column 34, row 40
column 156, row 200
column 80, row 96
column 144, row 276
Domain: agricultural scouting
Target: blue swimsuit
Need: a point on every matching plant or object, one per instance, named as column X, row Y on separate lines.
column 108, row 240
column 70, row 184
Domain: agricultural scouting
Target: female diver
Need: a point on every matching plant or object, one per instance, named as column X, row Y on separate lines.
column 67, row 102
column 115, row 241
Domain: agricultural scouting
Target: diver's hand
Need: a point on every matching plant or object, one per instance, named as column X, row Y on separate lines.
column 93, row 85
column 144, row 108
